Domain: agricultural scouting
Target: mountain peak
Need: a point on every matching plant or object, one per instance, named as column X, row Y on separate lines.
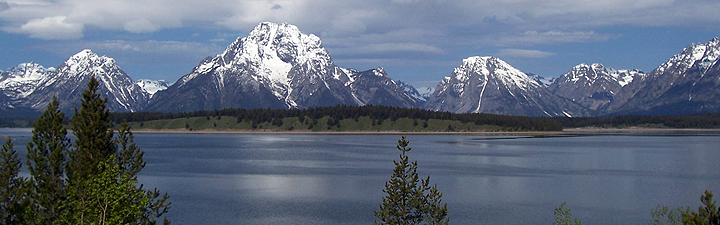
column 85, row 54
column 87, row 59
column 701, row 54
column 485, row 84
column 492, row 66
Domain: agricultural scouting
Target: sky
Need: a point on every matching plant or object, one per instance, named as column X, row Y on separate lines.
column 418, row 41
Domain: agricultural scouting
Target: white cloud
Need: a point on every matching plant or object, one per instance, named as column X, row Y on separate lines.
column 352, row 18
column 142, row 52
column 400, row 47
column 523, row 53
column 533, row 37
column 52, row 28
column 140, row 26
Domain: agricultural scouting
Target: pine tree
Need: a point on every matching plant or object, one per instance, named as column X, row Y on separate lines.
column 410, row 200
column 13, row 200
column 92, row 128
column 103, row 171
column 109, row 197
column 563, row 216
column 129, row 160
column 129, row 157
column 46, row 158
column 708, row 214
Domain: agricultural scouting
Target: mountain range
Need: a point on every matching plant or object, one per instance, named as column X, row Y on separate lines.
column 277, row 66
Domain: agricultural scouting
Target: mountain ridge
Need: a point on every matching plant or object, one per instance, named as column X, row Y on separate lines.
column 278, row 66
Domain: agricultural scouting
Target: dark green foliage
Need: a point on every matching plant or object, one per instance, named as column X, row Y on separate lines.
column 157, row 206
column 129, row 162
column 109, row 197
column 92, row 128
column 706, row 215
column 379, row 114
column 563, row 216
column 13, row 202
column 129, row 157
column 46, row 158
column 99, row 183
column 662, row 215
column 15, row 122
column 409, row 199
column 708, row 121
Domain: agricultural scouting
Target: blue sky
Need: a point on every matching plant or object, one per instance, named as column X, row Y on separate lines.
column 419, row 41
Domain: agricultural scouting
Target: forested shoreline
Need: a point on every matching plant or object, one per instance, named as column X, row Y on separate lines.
column 384, row 118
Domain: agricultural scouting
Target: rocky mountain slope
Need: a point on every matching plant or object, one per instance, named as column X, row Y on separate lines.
column 490, row 85
column 29, row 86
column 687, row 83
column 592, row 86
column 277, row 66
column 152, row 86
column 19, row 82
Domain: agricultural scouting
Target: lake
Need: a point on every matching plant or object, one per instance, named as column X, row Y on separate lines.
column 338, row 179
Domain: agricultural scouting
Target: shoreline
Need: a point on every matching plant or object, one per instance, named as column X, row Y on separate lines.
column 564, row 132
column 584, row 131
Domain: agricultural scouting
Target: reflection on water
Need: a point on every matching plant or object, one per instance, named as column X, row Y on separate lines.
column 338, row 179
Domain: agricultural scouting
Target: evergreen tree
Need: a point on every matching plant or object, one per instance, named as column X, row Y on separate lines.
column 13, row 201
column 46, row 158
column 663, row 215
column 129, row 157
column 129, row 160
column 104, row 198
column 92, row 128
column 103, row 171
column 410, row 200
column 708, row 214
column 563, row 216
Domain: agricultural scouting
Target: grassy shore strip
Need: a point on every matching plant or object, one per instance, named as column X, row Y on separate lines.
column 573, row 132
column 390, row 132
column 323, row 124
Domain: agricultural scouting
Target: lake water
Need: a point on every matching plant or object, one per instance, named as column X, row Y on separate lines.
column 338, row 179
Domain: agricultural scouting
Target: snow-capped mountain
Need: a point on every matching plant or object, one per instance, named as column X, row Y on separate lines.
column 276, row 66
column 20, row 81
column 592, row 86
column 152, row 86
column 375, row 87
column 412, row 91
column 490, row 85
column 544, row 81
column 687, row 83
column 426, row 92
column 70, row 80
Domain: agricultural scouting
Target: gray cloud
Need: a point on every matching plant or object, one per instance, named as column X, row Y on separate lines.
column 523, row 53
column 361, row 33
column 4, row 6
column 339, row 18
column 141, row 52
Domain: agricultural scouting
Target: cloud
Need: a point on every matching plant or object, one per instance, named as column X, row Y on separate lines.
column 533, row 37
column 52, row 28
column 140, row 26
column 523, row 53
column 4, row 6
column 141, row 52
column 400, row 47
column 351, row 18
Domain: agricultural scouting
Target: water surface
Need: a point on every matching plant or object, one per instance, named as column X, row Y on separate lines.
column 338, row 179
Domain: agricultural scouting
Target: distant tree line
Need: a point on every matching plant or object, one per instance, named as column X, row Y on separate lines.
column 708, row 121
column 16, row 122
column 340, row 112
